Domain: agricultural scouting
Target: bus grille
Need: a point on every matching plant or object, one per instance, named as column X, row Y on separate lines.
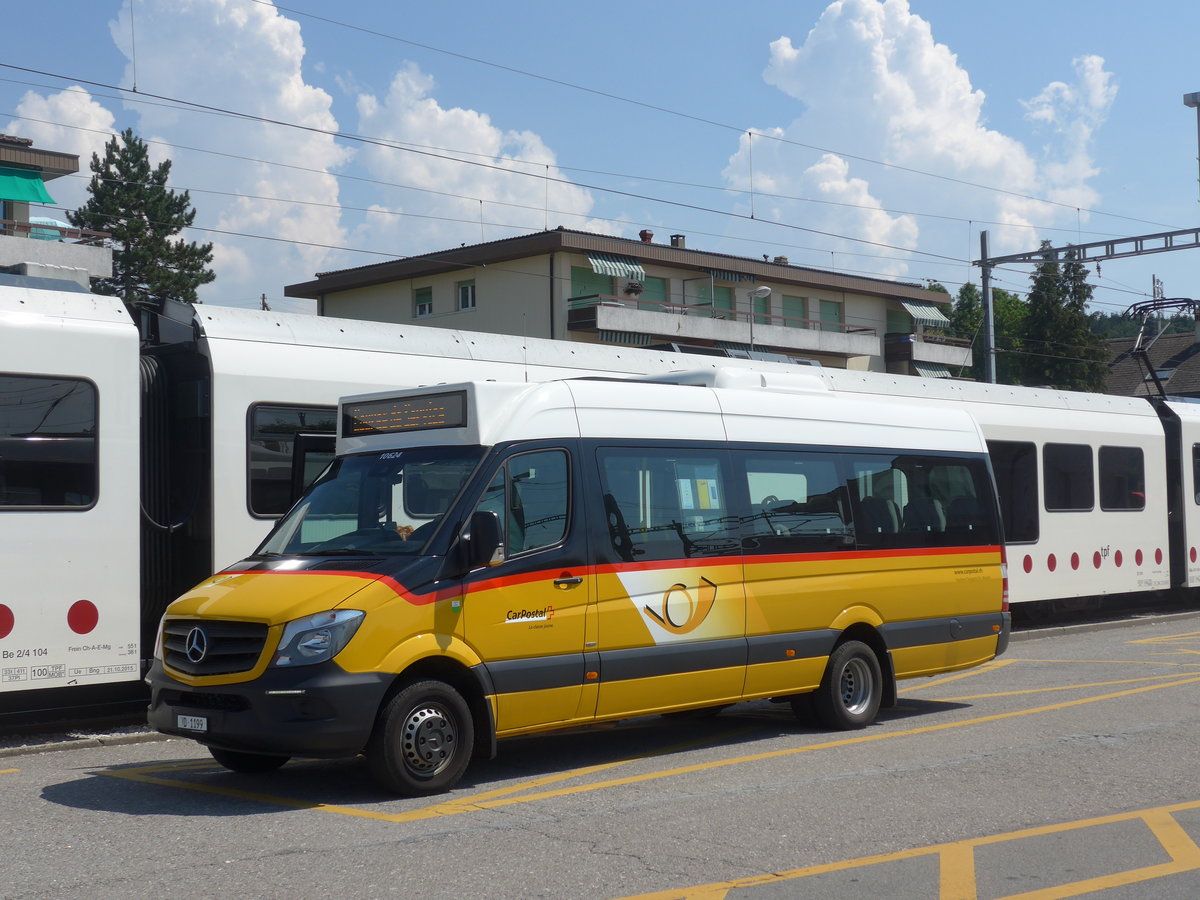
column 227, row 646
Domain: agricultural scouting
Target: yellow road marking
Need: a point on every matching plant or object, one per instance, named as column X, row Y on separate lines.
column 978, row 670
column 957, row 861
column 9, row 771
column 1065, row 687
column 1167, row 638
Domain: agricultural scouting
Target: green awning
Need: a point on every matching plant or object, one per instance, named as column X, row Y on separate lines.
column 932, row 370
column 617, row 266
column 726, row 275
column 24, row 185
column 926, row 314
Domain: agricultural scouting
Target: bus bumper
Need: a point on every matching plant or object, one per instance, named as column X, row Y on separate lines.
column 317, row 711
column 1005, row 632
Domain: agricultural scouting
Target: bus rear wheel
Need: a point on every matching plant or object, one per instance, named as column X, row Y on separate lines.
column 422, row 741
column 851, row 689
column 247, row 763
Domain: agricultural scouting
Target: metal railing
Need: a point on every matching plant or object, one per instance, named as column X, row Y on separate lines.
column 39, row 232
column 706, row 310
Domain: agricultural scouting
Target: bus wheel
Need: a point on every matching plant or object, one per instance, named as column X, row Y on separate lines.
column 851, row 689
column 422, row 741
column 248, row 763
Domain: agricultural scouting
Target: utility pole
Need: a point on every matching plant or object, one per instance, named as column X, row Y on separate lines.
column 989, row 322
column 1192, row 101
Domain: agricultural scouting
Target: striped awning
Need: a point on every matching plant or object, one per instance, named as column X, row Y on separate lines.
column 630, row 338
column 726, row 275
column 932, row 370
column 927, row 314
column 616, row 266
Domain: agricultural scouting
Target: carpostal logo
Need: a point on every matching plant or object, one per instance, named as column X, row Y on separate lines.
column 519, row 616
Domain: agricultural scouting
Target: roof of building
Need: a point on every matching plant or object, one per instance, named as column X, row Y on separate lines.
column 1176, row 358
column 542, row 242
column 20, row 153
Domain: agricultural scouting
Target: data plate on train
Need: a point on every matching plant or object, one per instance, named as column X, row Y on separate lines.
column 192, row 723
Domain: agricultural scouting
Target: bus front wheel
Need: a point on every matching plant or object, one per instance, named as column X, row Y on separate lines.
column 851, row 688
column 423, row 740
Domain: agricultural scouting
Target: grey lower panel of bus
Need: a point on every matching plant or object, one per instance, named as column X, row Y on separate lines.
column 546, row 672
column 939, row 631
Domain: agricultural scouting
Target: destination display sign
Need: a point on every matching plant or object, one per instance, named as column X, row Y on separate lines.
column 398, row 414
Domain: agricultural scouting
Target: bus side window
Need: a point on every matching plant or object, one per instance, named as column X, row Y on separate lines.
column 798, row 502
column 666, row 503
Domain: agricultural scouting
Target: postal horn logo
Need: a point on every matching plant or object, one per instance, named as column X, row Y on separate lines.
column 681, row 612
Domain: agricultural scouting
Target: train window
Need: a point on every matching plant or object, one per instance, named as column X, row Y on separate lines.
column 1014, row 464
column 269, row 445
column 798, row 502
column 666, row 503
column 1122, row 478
column 47, row 442
column 1196, row 471
column 1067, row 477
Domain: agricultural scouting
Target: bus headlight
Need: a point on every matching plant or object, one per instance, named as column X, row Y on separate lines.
column 317, row 638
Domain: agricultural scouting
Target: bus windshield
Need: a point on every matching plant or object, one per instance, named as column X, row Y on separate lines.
column 379, row 503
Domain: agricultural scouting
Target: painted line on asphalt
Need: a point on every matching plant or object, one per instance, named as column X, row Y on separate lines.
column 957, row 866
column 481, row 802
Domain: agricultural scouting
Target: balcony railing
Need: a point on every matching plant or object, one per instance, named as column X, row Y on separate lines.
column 40, row 232
column 708, row 311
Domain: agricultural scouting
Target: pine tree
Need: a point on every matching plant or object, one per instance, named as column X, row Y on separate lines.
column 130, row 200
column 1061, row 350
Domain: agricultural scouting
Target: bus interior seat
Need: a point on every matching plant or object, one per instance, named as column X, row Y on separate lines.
column 878, row 516
column 924, row 514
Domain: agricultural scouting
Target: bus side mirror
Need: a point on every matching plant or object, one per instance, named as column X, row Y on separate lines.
column 482, row 540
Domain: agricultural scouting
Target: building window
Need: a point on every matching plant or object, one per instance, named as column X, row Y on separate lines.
column 795, row 311
column 762, row 310
column 899, row 322
column 1068, row 482
column 831, row 315
column 465, row 291
column 423, row 302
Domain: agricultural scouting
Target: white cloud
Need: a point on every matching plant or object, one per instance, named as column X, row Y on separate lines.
column 245, row 57
column 875, row 83
column 501, row 180
column 69, row 121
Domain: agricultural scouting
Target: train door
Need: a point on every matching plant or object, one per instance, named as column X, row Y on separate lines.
column 670, row 599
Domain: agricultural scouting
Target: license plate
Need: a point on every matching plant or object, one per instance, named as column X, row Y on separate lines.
column 192, row 723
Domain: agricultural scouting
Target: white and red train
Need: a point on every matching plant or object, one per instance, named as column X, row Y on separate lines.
column 138, row 457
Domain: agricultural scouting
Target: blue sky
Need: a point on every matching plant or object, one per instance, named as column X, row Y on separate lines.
column 886, row 133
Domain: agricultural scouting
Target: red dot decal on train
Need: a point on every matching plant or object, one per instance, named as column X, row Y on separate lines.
column 1117, row 558
column 1137, row 557
column 1096, row 559
column 1051, row 562
column 7, row 619
column 1193, row 554
column 83, row 616
column 1074, row 560
column 1158, row 556
column 1028, row 563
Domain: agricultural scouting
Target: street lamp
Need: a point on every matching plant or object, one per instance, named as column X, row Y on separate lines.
column 1193, row 102
column 757, row 293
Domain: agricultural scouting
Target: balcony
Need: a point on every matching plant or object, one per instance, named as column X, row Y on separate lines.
column 629, row 320
column 55, row 251
column 903, row 352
